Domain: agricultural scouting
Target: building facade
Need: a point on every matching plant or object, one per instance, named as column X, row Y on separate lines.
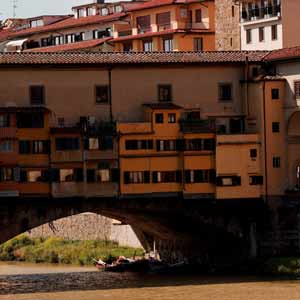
column 210, row 127
column 126, row 26
column 269, row 24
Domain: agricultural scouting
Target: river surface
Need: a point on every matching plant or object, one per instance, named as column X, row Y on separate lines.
column 44, row 282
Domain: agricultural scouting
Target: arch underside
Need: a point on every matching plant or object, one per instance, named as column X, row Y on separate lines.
column 187, row 228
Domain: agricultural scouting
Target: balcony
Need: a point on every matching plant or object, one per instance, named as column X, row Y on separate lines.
column 197, row 126
column 80, row 189
column 260, row 13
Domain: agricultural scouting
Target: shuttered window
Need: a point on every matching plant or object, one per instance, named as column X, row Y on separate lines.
column 198, row 16
column 143, row 23
column 163, row 20
column 297, row 89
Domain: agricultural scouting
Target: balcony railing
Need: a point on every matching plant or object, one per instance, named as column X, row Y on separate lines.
column 261, row 13
column 197, row 126
column 142, row 30
column 125, row 33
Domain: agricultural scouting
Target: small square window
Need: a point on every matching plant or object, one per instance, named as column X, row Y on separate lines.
column 171, row 118
column 37, row 95
column 253, row 153
column 164, row 92
column 102, row 94
column 276, row 162
column 225, row 91
column 275, row 126
column 159, row 118
column 275, row 94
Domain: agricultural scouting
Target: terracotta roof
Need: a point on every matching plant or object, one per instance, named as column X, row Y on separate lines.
column 158, row 33
column 158, row 3
column 68, row 23
column 70, row 47
column 283, row 54
column 130, row 58
column 168, row 105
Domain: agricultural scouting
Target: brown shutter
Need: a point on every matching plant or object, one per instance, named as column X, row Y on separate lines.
column 198, row 16
column 143, row 22
column 163, row 18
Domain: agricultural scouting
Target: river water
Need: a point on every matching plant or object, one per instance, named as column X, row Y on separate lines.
column 44, row 282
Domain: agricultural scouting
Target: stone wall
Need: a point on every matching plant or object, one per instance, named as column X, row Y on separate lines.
column 88, row 226
column 227, row 25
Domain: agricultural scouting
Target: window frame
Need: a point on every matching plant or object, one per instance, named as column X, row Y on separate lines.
column 99, row 87
column 43, row 94
column 221, row 97
column 164, row 98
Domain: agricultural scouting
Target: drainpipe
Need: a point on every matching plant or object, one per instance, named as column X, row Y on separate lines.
column 110, row 93
column 247, row 85
column 265, row 141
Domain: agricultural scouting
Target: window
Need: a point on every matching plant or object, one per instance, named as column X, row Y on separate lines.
column 248, row 36
column 67, row 144
column 36, row 23
column 274, row 32
column 6, row 174
column 209, row 144
column 24, row 147
column 93, row 144
column 6, row 146
column 193, row 145
column 166, row 176
column 90, row 11
column 159, row 118
column 256, row 180
column 37, row 95
column 147, row 45
column 232, row 11
column 261, row 34
column 136, row 177
column 198, row 16
column 58, row 40
column 30, row 120
column 143, row 24
column 40, row 147
column 104, row 11
column 225, row 91
column 81, row 12
column 199, row 176
column 66, row 175
column 166, row 145
column 5, row 120
column 253, row 153
column 118, row 8
column 167, row 44
column 296, row 91
column 106, row 143
column 127, row 47
column 228, row 181
column 164, row 92
column 275, row 94
column 198, row 44
column 103, row 175
column 34, row 176
column 138, row 144
column 70, row 38
column 102, row 94
column 276, row 162
column 275, row 127
column 163, row 21
column 192, row 115
column 171, row 118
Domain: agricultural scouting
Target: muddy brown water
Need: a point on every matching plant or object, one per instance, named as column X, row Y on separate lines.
column 44, row 282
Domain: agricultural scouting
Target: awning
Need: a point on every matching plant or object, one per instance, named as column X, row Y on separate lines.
column 15, row 44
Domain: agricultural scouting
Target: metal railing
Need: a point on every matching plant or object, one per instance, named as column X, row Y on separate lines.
column 261, row 13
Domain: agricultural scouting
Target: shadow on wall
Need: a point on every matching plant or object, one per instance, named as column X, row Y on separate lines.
column 87, row 226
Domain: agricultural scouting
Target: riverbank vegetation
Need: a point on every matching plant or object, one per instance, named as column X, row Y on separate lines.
column 55, row 250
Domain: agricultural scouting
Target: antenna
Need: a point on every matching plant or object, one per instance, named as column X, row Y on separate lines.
column 15, row 6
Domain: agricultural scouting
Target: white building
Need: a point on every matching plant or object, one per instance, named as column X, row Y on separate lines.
column 269, row 24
